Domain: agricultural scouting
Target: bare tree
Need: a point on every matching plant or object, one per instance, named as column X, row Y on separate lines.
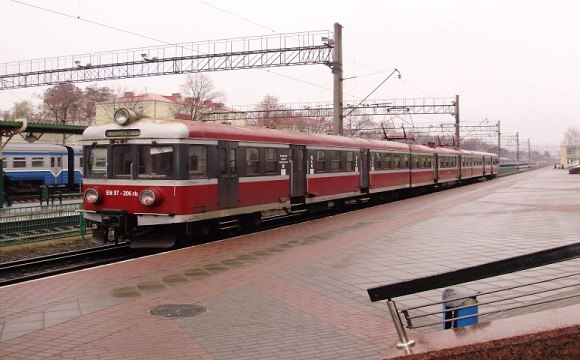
column 91, row 96
column 63, row 104
column 356, row 125
column 271, row 114
column 23, row 109
column 199, row 96
column 571, row 137
column 316, row 125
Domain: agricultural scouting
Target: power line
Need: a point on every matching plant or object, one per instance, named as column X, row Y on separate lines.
column 90, row 21
column 237, row 16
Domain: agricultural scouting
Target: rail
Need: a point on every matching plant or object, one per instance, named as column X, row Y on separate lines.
column 461, row 307
column 35, row 223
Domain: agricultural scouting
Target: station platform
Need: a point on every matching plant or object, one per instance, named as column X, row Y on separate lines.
column 296, row 292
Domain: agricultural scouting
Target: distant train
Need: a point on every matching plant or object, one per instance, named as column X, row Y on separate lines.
column 156, row 182
column 28, row 166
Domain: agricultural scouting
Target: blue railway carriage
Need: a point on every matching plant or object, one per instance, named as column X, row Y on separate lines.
column 31, row 165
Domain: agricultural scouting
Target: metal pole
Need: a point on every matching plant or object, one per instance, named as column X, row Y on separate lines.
column 404, row 343
column 498, row 140
column 517, row 150
column 457, row 121
column 1, row 173
column 337, row 72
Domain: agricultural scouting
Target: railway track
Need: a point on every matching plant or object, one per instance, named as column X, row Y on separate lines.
column 39, row 267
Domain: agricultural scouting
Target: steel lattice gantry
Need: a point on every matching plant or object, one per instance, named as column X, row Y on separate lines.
column 303, row 48
column 414, row 106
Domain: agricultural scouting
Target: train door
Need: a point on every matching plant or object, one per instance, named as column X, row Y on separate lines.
column 364, row 170
column 485, row 166
column 436, row 167
column 228, row 180
column 70, row 180
column 298, row 170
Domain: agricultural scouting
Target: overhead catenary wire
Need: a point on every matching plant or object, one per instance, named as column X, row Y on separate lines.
column 96, row 23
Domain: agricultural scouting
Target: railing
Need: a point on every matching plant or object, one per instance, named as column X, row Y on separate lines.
column 35, row 223
column 462, row 307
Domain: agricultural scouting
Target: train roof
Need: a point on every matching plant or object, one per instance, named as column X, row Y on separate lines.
column 158, row 129
column 184, row 129
column 36, row 147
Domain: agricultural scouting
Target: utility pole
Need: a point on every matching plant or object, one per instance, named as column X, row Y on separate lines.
column 517, row 150
column 498, row 140
column 337, row 72
column 457, row 121
column 529, row 153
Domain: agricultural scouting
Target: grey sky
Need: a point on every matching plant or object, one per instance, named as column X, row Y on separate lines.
column 511, row 60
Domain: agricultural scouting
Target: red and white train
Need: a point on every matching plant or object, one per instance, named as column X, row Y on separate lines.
column 158, row 182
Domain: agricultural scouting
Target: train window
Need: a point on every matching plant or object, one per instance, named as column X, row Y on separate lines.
column 122, row 161
column 223, row 157
column 37, row 162
column 376, row 161
column 19, row 162
column 335, row 160
column 156, row 161
column 271, row 164
column 320, row 161
column 97, row 166
column 349, row 161
column 233, row 157
column 197, row 161
column 415, row 162
column 396, row 161
column 252, row 161
column 4, row 163
column 404, row 161
column 388, row 161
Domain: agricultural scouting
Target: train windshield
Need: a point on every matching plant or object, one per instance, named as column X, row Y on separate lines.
column 122, row 158
column 97, row 164
column 156, row 161
column 131, row 161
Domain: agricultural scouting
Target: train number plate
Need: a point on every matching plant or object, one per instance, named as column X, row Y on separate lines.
column 126, row 193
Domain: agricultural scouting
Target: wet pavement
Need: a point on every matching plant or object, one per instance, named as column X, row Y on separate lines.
column 297, row 292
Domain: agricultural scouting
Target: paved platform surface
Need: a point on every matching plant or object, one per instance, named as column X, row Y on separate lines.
column 298, row 292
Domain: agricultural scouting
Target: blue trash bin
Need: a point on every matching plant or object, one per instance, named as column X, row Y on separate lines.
column 458, row 304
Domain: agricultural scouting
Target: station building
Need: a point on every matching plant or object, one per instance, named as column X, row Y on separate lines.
column 569, row 155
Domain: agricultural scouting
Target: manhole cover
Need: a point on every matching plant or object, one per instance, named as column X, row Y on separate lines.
column 177, row 310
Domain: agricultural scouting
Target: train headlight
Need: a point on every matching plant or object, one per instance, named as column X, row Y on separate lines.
column 124, row 116
column 92, row 196
column 149, row 197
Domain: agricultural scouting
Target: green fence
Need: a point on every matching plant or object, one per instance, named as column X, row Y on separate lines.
column 35, row 223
